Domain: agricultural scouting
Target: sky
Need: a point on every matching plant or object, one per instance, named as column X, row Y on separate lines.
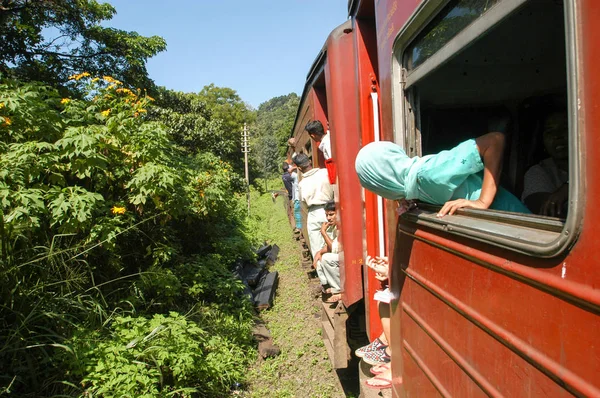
column 260, row 48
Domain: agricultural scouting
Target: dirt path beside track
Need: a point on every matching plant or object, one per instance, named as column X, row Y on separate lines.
column 303, row 368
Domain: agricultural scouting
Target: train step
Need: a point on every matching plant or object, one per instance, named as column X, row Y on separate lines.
column 333, row 320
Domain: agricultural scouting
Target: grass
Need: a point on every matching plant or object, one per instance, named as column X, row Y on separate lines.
column 303, row 368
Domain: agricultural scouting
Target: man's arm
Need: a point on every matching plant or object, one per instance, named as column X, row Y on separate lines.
column 328, row 240
column 491, row 150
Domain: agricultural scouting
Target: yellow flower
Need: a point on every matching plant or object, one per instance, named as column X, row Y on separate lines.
column 118, row 210
column 125, row 91
column 79, row 76
column 111, row 80
column 65, row 101
column 7, row 121
column 142, row 110
column 136, row 114
column 2, row 105
column 105, row 113
column 149, row 98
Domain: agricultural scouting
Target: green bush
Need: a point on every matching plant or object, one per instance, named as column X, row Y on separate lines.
column 105, row 228
column 158, row 357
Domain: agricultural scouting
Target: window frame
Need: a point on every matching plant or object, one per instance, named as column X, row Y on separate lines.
column 507, row 230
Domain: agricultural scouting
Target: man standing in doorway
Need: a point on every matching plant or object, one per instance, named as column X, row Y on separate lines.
column 317, row 133
column 315, row 190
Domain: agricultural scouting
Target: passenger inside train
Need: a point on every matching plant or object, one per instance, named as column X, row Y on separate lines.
column 546, row 184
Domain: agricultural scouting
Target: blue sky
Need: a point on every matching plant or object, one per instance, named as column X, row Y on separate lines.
column 260, row 48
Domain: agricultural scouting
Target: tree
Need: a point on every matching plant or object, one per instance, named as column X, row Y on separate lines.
column 191, row 124
column 274, row 124
column 49, row 40
column 224, row 103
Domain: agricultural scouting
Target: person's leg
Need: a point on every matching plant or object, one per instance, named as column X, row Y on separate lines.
column 315, row 219
column 330, row 264
column 384, row 315
column 321, row 273
column 297, row 214
column 380, row 342
column 289, row 209
column 384, row 376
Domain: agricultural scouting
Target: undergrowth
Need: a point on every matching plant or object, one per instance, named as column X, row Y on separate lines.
column 116, row 249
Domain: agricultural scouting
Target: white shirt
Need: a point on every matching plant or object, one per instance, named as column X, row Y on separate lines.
column 543, row 177
column 315, row 188
column 325, row 145
column 333, row 234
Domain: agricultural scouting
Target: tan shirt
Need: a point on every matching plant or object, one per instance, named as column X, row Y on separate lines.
column 315, row 188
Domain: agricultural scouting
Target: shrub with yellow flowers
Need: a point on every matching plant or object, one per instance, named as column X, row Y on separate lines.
column 103, row 216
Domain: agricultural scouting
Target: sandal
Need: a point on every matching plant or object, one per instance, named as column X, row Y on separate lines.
column 379, row 357
column 383, row 383
column 325, row 290
column 379, row 369
column 334, row 298
column 374, row 346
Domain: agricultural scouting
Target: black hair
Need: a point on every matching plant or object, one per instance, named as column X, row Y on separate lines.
column 315, row 127
column 330, row 206
column 285, row 166
column 301, row 160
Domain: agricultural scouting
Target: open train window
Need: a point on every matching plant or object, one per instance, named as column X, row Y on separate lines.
column 457, row 65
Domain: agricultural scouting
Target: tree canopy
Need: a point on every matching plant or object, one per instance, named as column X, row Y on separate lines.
column 49, row 40
column 274, row 124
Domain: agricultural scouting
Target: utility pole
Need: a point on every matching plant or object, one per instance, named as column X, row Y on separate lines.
column 245, row 150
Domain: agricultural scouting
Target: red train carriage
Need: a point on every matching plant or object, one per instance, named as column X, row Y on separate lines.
column 490, row 303
column 339, row 92
column 486, row 302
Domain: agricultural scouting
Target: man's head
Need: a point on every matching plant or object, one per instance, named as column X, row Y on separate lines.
column 556, row 136
column 303, row 162
column 285, row 167
column 315, row 130
column 330, row 212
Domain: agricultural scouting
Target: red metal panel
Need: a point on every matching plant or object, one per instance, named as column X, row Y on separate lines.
column 513, row 325
column 340, row 78
column 366, row 53
column 494, row 318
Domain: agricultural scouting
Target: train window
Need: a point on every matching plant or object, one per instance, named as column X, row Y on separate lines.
column 462, row 64
column 448, row 23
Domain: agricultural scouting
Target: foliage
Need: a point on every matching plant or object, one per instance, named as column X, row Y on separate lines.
column 49, row 40
column 105, row 227
column 225, row 104
column 274, row 124
column 207, row 122
column 157, row 357
column 447, row 24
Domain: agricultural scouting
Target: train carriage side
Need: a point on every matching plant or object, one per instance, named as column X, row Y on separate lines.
column 362, row 14
column 491, row 303
column 335, row 84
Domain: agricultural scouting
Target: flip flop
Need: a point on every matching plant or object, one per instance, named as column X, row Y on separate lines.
column 379, row 369
column 334, row 298
column 388, row 383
